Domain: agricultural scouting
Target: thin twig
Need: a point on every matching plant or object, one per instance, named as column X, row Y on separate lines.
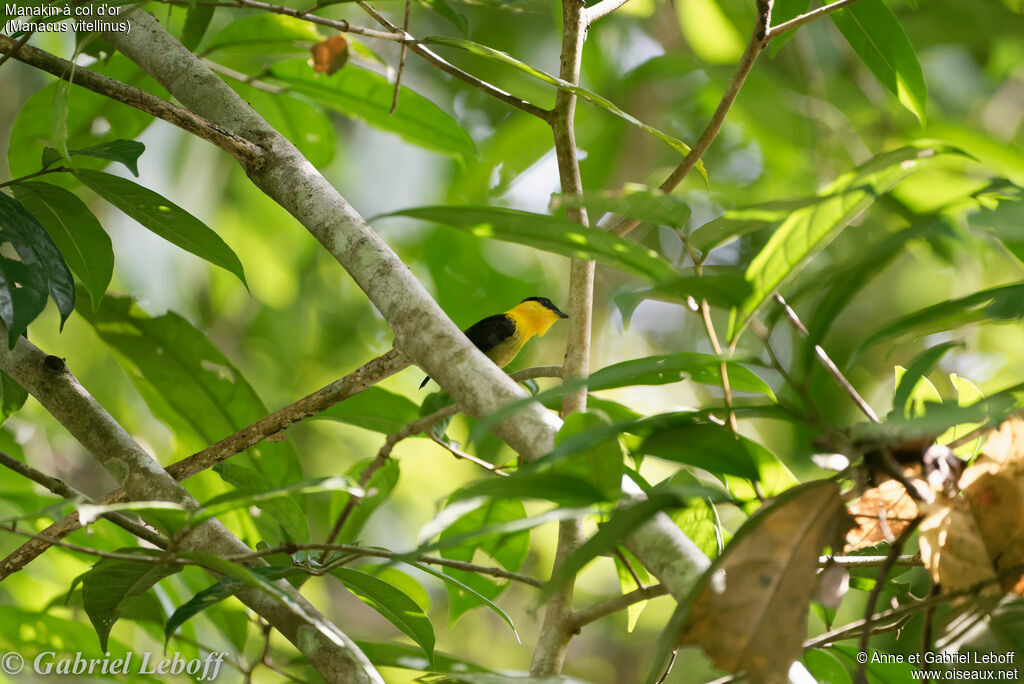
column 709, row 328
column 60, row 488
column 823, row 357
column 911, row 560
column 581, row 618
column 15, row 181
column 401, row 58
column 459, row 453
column 757, row 42
column 21, row 42
column 668, row 668
column 368, row 374
column 556, row 630
column 809, row 16
column 601, row 10
column 248, row 154
column 112, row 555
column 876, row 591
column 453, row 70
column 350, row 549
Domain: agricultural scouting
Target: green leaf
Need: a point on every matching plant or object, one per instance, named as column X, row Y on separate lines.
column 196, row 22
column 88, row 114
column 86, row 247
column 264, row 28
column 601, row 465
column 408, row 657
column 367, row 96
column 634, row 201
column 722, row 289
column 126, row 152
column 825, row 667
column 551, row 234
column 374, row 409
column 807, row 230
column 875, row 34
column 901, row 402
column 469, row 535
column 850, row 280
column 381, row 484
column 548, row 485
column 669, row 368
column 998, row 304
column 251, row 496
column 22, row 296
column 110, row 582
column 623, row 522
column 164, row 218
column 588, row 95
column 196, row 390
column 711, row 447
column 12, row 397
column 1005, row 222
column 217, row 592
column 444, row 8
column 737, row 222
column 41, row 270
column 783, row 11
column 469, row 591
column 651, row 370
column 395, row 605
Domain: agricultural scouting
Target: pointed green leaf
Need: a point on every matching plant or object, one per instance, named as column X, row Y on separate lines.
column 549, row 233
column 809, row 229
column 875, row 34
column 365, row 95
column 41, row 270
column 637, row 202
column 393, row 604
column 998, row 304
column 164, row 218
column 126, row 152
column 111, row 581
column 77, row 233
column 264, row 28
column 588, row 95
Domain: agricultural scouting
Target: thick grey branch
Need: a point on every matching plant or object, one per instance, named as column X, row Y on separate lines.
column 334, row 655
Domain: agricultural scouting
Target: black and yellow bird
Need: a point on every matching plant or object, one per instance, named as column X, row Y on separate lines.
column 501, row 336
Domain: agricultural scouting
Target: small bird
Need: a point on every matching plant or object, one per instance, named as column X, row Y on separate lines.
column 501, row 336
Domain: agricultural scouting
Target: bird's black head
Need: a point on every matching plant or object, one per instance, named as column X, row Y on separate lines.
column 547, row 304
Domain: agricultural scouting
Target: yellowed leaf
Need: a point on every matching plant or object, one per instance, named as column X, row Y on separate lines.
column 751, row 614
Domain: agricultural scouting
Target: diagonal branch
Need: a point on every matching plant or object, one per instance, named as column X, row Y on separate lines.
column 329, row 650
column 248, row 153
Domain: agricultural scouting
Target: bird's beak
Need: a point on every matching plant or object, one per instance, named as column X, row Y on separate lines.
column 561, row 314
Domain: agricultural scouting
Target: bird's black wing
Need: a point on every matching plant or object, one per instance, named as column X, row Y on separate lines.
column 488, row 334
column 491, row 331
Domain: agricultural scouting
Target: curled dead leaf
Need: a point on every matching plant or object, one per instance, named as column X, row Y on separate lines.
column 330, row 55
column 980, row 535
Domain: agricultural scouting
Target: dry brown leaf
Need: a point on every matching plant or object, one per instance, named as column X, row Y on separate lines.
column 330, row 55
column 973, row 538
column 880, row 514
column 751, row 614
